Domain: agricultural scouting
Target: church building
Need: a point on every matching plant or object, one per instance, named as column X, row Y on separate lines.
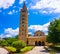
column 39, row 37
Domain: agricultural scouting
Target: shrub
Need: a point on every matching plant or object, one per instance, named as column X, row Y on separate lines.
column 11, row 49
column 57, row 48
column 27, row 48
column 10, row 41
column 18, row 45
column 3, row 43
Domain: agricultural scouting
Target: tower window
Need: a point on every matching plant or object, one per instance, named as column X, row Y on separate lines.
column 22, row 25
column 37, row 34
column 23, row 15
column 23, row 11
column 22, row 21
column 22, row 18
column 40, row 34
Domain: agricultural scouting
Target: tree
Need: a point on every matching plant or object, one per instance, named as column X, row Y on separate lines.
column 29, row 35
column 18, row 45
column 54, row 32
column 10, row 40
column 16, row 37
column 3, row 43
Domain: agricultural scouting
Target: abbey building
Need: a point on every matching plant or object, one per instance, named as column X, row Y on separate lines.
column 39, row 37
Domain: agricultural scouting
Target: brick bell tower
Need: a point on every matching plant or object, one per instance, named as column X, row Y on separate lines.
column 23, row 29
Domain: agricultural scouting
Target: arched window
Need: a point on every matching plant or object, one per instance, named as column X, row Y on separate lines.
column 37, row 35
column 23, row 19
column 40, row 34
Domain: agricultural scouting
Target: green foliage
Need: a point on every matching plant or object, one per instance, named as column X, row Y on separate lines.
column 3, row 43
column 52, row 52
column 27, row 48
column 56, row 47
column 54, row 32
column 16, row 37
column 11, row 49
column 18, row 45
column 29, row 34
column 10, row 40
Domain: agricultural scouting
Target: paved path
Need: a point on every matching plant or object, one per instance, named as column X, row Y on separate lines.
column 38, row 50
column 3, row 51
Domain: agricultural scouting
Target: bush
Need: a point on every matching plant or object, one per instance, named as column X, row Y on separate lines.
column 27, row 48
column 18, row 45
column 10, row 41
column 3, row 43
column 11, row 49
column 57, row 48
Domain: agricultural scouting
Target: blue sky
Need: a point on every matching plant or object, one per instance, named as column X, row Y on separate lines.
column 40, row 14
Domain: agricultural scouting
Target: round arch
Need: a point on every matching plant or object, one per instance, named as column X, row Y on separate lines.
column 43, row 43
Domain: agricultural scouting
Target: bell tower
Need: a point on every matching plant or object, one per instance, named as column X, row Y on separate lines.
column 23, row 29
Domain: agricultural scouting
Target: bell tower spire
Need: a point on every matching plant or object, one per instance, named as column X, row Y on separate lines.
column 23, row 29
column 24, row 6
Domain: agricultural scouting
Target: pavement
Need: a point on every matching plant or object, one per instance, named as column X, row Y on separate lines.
column 35, row 50
column 3, row 51
column 38, row 50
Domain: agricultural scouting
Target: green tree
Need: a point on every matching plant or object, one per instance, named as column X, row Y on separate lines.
column 54, row 32
column 10, row 40
column 18, row 45
column 3, row 43
column 16, row 37
column 29, row 34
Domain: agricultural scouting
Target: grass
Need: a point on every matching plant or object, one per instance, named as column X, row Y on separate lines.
column 27, row 48
column 52, row 52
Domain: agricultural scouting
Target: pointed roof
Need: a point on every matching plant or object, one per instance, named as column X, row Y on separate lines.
column 24, row 6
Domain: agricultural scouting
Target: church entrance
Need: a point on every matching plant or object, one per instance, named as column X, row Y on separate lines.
column 43, row 43
column 37, row 43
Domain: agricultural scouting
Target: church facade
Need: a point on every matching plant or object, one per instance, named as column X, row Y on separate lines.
column 39, row 37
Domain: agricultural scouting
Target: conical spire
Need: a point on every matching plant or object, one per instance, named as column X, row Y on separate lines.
column 24, row 6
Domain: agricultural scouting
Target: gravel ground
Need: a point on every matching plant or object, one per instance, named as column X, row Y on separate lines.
column 38, row 50
column 3, row 51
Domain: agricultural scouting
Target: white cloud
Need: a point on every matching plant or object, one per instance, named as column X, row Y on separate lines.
column 44, row 12
column 29, row 32
column 21, row 1
column 43, row 28
column 6, row 3
column 9, row 32
column 11, row 12
column 47, row 6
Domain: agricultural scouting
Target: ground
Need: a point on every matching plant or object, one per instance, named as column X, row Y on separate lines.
column 3, row 51
column 38, row 50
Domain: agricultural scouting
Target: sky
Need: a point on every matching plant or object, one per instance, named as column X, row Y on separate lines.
column 40, row 14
